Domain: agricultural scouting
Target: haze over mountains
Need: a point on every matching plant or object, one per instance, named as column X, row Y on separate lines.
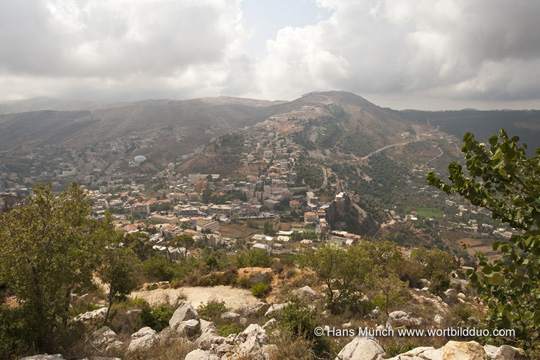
column 42, row 121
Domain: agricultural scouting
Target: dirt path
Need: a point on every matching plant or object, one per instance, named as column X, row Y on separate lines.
column 234, row 298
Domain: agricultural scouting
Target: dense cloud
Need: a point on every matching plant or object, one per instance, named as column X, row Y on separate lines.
column 437, row 50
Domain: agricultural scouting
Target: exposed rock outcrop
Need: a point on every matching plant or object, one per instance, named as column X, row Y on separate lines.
column 142, row 339
column 362, row 348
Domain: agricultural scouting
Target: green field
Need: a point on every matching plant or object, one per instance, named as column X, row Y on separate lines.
column 429, row 213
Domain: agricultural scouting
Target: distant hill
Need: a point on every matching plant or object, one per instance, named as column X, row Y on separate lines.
column 175, row 127
column 483, row 124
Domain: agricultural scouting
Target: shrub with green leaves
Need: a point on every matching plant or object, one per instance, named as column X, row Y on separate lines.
column 252, row 258
column 260, row 290
column 500, row 178
column 301, row 321
column 212, row 310
column 157, row 317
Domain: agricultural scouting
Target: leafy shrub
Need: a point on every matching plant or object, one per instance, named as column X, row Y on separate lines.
column 159, row 268
column 260, row 290
column 158, row 317
column 212, row 310
column 228, row 329
column 300, row 320
column 244, row 282
column 252, row 258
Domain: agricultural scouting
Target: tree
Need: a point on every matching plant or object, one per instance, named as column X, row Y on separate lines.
column 343, row 272
column 504, row 181
column 118, row 266
column 435, row 261
column 48, row 250
column 183, row 240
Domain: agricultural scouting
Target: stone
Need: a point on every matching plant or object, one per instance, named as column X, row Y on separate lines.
column 507, row 352
column 401, row 318
column 144, row 338
column 451, row 292
column 189, row 328
column 361, row 348
column 254, row 309
column 274, row 309
column 102, row 337
column 184, row 312
column 420, row 353
column 305, row 293
column 269, row 323
column 374, row 313
column 209, row 337
column 92, row 315
column 462, row 296
column 44, row 357
column 229, row 315
column 490, row 351
column 201, row 355
column 438, row 319
column 347, row 325
column 457, row 350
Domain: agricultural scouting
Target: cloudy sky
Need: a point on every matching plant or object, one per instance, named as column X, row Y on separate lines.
column 424, row 54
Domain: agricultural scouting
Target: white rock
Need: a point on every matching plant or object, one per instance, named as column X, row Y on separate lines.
column 189, row 328
column 44, row 357
column 361, row 348
column 462, row 296
column 254, row 309
column 507, row 352
column 229, row 315
column 401, row 318
column 306, row 293
column 269, row 323
column 275, row 308
column 201, row 355
column 144, row 338
column 438, row 319
column 102, row 337
column 91, row 315
column 184, row 312
column 460, row 350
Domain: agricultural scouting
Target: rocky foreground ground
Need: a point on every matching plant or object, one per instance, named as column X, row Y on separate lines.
column 253, row 343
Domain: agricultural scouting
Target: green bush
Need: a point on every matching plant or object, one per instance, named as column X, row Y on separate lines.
column 301, row 321
column 244, row 282
column 159, row 268
column 228, row 329
column 212, row 310
column 260, row 290
column 252, row 258
column 157, row 317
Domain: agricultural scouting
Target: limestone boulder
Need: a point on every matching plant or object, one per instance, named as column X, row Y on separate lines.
column 143, row 339
column 460, row 350
column 361, row 348
column 401, row 318
column 199, row 354
column 305, row 293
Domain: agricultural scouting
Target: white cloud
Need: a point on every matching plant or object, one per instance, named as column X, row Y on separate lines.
column 456, row 50
column 178, row 45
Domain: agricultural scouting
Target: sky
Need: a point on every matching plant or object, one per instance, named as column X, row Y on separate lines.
column 402, row 54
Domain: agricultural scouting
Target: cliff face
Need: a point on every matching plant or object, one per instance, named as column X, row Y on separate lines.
column 344, row 215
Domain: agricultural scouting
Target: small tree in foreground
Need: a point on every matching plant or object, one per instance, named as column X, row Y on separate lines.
column 504, row 181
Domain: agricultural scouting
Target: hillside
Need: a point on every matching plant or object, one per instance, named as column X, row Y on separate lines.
column 173, row 128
